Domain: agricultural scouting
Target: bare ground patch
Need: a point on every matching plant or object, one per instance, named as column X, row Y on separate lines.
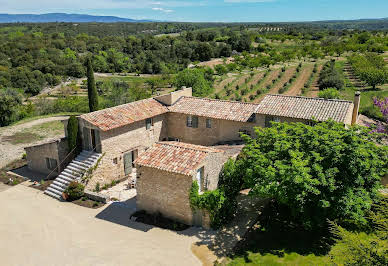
column 221, row 86
column 268, row 80
column 297, row 86
column 313, row 92
column 287, row 75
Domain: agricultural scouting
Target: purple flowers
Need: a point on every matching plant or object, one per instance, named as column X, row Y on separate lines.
column 383, row 106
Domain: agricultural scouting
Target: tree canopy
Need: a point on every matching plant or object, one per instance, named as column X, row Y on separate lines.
column 318, row 172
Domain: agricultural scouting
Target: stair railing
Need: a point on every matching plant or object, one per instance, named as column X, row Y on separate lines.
column 48, row 176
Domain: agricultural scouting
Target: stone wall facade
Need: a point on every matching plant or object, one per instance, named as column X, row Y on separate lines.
column 220, row 131
column 164, row 192
column 117, row 142
column 57, row 150
column 168, row 193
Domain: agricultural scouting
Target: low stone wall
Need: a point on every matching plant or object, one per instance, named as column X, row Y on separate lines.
column 96, row 196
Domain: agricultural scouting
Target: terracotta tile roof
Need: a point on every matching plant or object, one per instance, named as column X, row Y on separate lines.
column 305, row 108
column 218, row 109
column 176, row 157
column 125, row 114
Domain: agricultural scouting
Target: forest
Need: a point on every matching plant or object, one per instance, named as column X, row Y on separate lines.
column 34, row 57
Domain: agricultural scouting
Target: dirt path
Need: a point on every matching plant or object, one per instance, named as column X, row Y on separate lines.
column 287, row 75
column 220, row 86
column 273, row 75
column 10, row 152
column 216, row 248
column 314, row 90
column 297, row 86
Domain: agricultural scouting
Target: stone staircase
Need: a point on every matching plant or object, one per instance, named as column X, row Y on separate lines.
column 73, row 172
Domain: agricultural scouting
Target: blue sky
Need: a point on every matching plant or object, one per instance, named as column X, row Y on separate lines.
column 211, row 10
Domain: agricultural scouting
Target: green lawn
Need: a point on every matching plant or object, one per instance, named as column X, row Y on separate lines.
column 276, row 240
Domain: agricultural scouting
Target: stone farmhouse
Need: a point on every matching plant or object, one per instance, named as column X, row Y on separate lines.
column 168, row 141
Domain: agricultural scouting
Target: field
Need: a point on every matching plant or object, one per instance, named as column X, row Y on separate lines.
column 252, row 86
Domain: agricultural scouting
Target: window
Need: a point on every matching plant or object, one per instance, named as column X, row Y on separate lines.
column 252, row 118
column 192, row 121
column 269, row 119
column 149, row 123
column 173, row 139
column 189, row 121
column 200, row 179
column 115, row 160
column 208, row 123
column 51, row 163
column 245, row 131
column 310, row 123
column 195, row 121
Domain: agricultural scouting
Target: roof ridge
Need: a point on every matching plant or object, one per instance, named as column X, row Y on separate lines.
column 174, row 144
column 312, row 98
column 124, row 104
column 217, row 100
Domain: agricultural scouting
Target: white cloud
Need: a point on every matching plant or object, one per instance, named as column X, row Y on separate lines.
column 162, row 9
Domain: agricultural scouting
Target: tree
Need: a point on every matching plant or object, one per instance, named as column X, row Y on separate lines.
column 318, row 173
column 9, row 102
column 194, row 78
column 374, row 76
column 359, row 248
column 92, row 91
column 72, row 133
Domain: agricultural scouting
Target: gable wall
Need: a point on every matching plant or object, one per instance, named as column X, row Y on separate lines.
column 115, row 143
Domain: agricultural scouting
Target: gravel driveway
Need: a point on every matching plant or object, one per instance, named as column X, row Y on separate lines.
column 38, row 230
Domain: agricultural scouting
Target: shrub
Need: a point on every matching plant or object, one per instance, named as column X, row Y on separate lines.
column 329, row 93
column 75, row 191
column 97, row 187
column 330, row 77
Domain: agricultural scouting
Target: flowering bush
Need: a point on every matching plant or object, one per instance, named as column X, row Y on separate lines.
column 382, row 104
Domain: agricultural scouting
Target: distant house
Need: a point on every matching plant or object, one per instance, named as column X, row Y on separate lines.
column 174, row 139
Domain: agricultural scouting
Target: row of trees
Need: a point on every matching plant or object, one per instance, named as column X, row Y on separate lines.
column 370, row 68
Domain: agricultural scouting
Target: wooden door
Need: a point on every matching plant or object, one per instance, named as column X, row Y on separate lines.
column 86, row 135
column 128, row 159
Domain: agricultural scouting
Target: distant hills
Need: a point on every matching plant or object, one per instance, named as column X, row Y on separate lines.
column 62, row 17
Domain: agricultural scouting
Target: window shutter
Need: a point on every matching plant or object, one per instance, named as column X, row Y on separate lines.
column 189, row 121
column 208, row 123
column 195, row 121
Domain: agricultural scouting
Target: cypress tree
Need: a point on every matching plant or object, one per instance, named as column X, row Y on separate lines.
column 92, row 91
column 72, row 132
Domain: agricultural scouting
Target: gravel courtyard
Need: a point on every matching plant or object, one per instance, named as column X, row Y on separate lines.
column 38, row 230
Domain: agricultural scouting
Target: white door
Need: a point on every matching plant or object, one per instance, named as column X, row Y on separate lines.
column 199, row 178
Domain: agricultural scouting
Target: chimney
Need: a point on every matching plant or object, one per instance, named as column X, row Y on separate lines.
column 172, row 97
column 357, row 97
